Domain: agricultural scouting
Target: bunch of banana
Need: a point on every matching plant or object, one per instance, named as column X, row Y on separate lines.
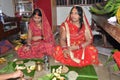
column 110, row 7
column 118, row 15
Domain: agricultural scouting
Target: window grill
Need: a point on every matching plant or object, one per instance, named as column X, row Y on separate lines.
column 77, row 2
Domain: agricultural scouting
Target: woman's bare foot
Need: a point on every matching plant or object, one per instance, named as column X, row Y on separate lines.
column 100, row 64
column 57, row 61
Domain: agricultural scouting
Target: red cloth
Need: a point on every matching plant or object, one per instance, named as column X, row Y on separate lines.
column 5, row 45
column 116, row 56
column 77, row 37
column 41, row 47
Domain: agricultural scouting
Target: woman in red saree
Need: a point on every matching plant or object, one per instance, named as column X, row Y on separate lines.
column 76, row 47
column 40, row 40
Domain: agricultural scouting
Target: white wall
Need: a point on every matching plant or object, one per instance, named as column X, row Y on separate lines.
column 7, row 7
column 63, row 12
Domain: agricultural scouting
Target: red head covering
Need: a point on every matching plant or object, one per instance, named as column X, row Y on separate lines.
column 85, row 23
column 46, row 28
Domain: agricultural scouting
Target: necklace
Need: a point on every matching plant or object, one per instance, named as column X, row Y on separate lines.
column 39, row 25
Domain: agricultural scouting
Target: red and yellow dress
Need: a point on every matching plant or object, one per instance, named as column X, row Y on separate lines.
column 77, row 37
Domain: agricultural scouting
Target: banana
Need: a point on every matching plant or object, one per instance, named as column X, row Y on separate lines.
column 102, row 11
column 118, row 12
column 95, row 10
column 109, row 3
column 113, row 13
column 117, row 1
column 118, row 15
column 99, row 6
column 109, row 9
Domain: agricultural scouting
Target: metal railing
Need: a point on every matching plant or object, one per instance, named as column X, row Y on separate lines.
column 77, row 2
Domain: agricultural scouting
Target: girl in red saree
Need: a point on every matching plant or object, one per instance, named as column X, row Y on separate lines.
column 40, row 40
column 76, row 47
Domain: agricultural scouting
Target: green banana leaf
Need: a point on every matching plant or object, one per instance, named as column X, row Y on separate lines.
column 8, row 56
column 85, row 73
column 46, row 77
column 34, row 59
column 10, row 67
column 31, row 74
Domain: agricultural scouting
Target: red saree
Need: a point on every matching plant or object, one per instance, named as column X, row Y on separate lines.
column 87, row 56
column 41, row 47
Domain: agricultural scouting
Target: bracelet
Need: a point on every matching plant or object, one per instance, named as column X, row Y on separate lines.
column 64, row 47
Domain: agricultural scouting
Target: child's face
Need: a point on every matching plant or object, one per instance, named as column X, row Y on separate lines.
column 37, row 18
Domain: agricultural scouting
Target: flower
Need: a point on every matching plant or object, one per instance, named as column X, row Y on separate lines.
column 57, row 73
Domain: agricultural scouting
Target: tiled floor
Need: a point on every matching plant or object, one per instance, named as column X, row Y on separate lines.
column 102, row 71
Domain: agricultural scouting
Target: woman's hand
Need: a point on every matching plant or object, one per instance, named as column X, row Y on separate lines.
column 17, row 74
column 35, row 38
column 73, row 47
column 27, row 48
column 66, row 53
